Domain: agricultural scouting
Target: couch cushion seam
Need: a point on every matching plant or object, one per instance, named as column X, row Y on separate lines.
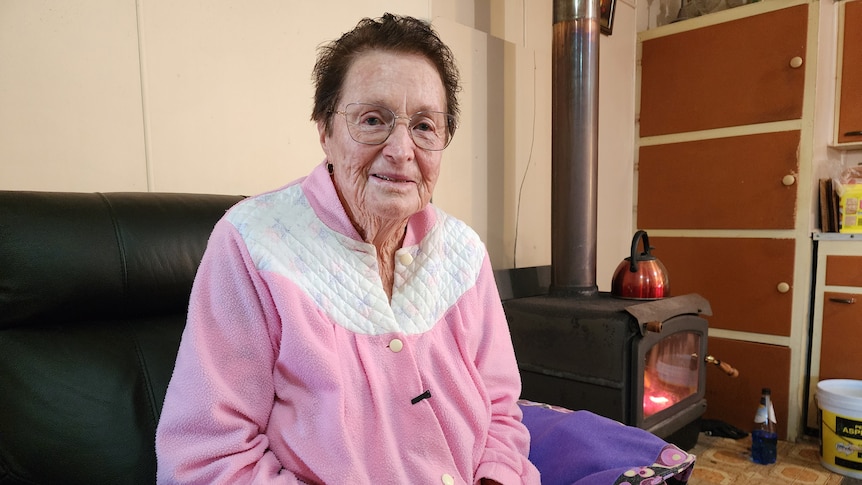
column 121, row 249
column 145, row 374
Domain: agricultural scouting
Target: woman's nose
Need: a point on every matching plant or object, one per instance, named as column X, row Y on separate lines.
column 400, row 143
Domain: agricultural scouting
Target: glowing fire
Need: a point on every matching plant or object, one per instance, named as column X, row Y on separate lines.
column 654, row 403
column 670, row 372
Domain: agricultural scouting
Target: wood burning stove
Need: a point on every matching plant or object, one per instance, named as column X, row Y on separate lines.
column 577, row 347
column 639, row 362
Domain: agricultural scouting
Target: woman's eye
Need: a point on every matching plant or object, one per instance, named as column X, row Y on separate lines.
column 424, row 126
column 374, row 118
column 371, row 120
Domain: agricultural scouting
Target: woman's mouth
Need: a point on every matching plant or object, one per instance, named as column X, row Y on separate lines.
column 390, row 178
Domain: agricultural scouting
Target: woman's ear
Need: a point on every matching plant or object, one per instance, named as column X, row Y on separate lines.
column 321, row 131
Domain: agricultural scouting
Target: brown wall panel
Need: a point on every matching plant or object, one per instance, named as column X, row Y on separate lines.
column 729, row 74
column 738, row 276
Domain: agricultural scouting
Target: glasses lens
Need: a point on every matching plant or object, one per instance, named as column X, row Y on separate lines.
column 430, row 129
column 367, row 123
column 370, row 124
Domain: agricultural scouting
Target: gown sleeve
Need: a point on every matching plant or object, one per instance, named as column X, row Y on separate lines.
column 218, row 403
column 505, row 456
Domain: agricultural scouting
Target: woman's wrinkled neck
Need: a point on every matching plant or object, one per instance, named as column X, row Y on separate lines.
column 386, row 235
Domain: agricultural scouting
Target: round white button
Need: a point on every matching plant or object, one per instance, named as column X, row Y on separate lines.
column 447, row 479
column 406, row 258
column 396, row 345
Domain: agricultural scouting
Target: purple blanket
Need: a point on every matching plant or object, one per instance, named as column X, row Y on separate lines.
column 582, row 448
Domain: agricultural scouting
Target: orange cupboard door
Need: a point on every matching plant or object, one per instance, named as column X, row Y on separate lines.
column 740, row 278
column 850, row 110
column 735, row 73
column 740, row 182
column 734, row 400
column 843, row 270
column 842, row 332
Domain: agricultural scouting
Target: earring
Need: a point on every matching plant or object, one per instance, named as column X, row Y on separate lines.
column 329, row 168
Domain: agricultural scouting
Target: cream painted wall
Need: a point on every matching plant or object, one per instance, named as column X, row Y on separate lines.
column 70, row 97
column 227, row 87
column 616, row 142
column 501, row 155
column 182, row 96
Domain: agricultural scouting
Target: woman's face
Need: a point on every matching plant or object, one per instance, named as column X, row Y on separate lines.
column 393, row 180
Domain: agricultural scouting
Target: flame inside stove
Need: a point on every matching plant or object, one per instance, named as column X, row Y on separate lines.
column 671, row 372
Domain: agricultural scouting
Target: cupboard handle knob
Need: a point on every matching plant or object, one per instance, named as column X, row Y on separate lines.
column 848, row 301
column 796, row 62
column 783, row 287
column 788, row 180
column 853, row 133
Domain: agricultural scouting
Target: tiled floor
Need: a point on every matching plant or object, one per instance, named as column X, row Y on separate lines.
column 724, row 461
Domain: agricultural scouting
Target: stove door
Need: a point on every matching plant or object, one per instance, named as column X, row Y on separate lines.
column 671, row 370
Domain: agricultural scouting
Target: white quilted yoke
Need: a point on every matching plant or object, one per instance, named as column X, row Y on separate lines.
column 341, row 275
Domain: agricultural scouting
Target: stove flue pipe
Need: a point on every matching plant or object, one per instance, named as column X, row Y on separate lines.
column 574, row 147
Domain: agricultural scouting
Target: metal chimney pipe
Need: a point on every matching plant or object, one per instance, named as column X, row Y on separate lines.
column 574, row 147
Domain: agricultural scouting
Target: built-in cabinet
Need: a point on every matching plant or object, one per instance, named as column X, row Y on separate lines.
column 724, row 190
column 836, row 315
column 848, row 125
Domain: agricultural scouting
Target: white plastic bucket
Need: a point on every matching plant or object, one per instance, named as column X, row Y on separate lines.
column 840, row 408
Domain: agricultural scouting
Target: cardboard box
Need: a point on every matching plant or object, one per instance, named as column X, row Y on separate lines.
column 851, row 213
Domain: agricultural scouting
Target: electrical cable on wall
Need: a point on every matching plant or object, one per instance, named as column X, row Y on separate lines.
column 529, row 161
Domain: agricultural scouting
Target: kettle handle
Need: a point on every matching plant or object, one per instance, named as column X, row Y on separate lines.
column 633, row 265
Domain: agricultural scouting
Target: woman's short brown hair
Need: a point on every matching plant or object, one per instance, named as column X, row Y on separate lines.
column 388, row 33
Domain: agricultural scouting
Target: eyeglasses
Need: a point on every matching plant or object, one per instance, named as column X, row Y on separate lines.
column 370, row 124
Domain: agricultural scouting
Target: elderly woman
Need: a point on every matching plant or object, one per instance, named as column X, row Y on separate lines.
column 342, row 329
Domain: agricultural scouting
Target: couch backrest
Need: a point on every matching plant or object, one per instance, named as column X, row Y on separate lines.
column 93, row 297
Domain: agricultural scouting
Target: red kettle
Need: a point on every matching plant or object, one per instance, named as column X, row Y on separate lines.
column 641, row 276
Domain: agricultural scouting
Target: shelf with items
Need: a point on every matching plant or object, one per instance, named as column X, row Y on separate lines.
column 840, row 201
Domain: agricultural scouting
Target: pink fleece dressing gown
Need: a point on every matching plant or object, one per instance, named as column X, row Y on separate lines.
column 295, row 367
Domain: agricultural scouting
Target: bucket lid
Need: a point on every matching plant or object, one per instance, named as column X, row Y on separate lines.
column 841, row 392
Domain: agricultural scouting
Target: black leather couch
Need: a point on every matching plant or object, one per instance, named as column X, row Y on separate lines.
column 93, row 296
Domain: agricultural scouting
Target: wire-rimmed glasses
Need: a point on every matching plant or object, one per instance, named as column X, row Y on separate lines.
column 370, row 124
